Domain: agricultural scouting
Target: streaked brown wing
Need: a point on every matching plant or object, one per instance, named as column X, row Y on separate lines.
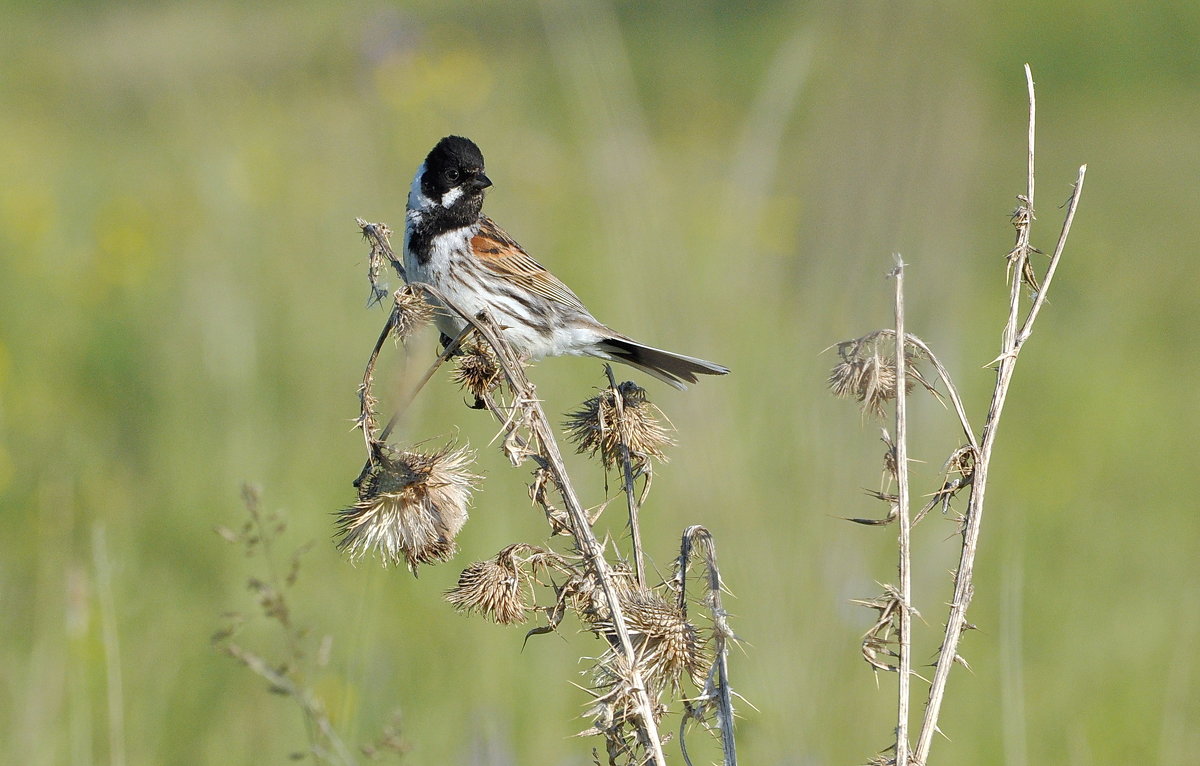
column 502, row 256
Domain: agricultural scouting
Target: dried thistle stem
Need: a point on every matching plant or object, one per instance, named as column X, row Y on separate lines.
column 1012, row 343
column 693, row 536
column 367, row 417
column 902, row 507
column 951, row 389
column 635, row 528
column 585, row 539
column 1040, row 299
column 543, row 433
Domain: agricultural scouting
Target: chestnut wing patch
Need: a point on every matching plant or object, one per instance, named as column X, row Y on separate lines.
column 501, row 255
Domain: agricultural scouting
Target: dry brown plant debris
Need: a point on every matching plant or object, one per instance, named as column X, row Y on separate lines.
column 877, row 370
column 656, row 658
column 411, row 504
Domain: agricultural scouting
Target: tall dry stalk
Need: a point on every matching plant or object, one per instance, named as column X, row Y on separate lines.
column 904, row 520
column 412, row 504
column 877, row 374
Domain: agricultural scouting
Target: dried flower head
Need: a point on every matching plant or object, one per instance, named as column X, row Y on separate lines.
column 615, row 417
column 410, row 503
column 867, row 371
column 478, row 370
column 493, row 588
column 669, row 646
column 410, row 312
column 666, row 646
column 586, row 595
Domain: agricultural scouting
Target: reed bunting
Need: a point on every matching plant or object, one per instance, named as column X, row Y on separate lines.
column 450, row 244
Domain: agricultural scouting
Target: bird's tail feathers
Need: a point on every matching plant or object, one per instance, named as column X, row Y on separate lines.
column 669, row 367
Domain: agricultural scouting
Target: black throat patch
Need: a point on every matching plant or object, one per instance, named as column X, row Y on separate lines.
column 434, row 222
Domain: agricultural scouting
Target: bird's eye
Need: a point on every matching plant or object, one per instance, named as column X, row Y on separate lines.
column 451, row 175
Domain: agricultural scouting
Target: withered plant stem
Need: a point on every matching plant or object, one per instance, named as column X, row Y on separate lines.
column 366, row 418
column 525, row 395
column 631, row 500
column 721, row 632
column 366, row 411
column 1012, row 342
column 951, row 389
column 904, row 520
column 447, row 352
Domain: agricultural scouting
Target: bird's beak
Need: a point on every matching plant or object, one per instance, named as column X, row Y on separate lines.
column 482, row 182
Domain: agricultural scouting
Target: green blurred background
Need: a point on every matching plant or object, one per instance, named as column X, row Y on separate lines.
column 182, row 309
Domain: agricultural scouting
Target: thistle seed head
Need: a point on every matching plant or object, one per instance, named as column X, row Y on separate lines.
column 410, row 504
column 669, row 645
column 604, row 422
column 492, row 588
column 616, row 695
column 867, row 372
column 587, row 598
column 478, row 370
column 410, row 312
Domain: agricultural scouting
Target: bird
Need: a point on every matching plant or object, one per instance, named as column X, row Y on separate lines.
column 450, row 244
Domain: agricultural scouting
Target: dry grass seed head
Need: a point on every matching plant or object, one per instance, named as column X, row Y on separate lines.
column 603, row 423
column 492, row 588
column 410, row 504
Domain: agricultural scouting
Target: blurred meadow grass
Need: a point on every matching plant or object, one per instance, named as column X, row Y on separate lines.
column 181, row 310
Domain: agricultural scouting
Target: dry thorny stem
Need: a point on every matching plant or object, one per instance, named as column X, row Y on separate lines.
column 412, row 504
column 716, row 688
column 627, row 476
column 876, row 376
column 900, row 462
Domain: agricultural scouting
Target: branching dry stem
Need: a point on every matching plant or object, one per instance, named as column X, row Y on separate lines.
column 546, row 444
column 951, row 389
column 1012, row 342
column 875, row 376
